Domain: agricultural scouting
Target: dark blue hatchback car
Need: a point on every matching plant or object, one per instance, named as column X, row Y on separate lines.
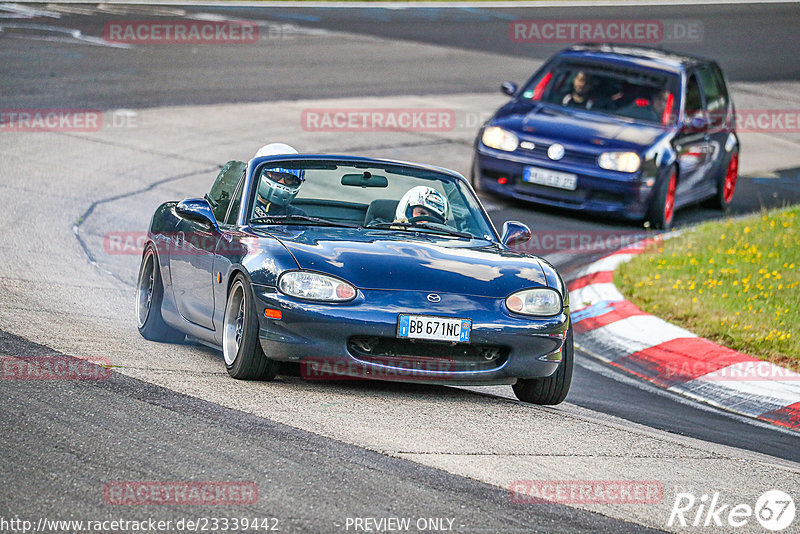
column 623, row 130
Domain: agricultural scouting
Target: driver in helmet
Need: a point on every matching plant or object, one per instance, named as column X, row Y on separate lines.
column 277, row 186
column 422, row 203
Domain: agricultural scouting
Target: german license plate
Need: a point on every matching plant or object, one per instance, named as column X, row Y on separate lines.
column 561, row 180
column 434, row 328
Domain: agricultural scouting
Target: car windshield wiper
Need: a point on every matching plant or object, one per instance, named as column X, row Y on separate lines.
column 288, row 219
column 434, row 227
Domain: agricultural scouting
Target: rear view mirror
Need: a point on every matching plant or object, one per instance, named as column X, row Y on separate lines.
column 697, row 122
column 197, row 209
column 365, row 179
column 509, row 88
column 515, row 233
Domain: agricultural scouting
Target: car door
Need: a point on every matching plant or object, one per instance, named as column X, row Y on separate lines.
column 692, row 143
column 715, row 95
column 230, row 249
column 193, row 251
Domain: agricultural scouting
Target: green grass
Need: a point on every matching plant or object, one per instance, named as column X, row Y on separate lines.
column 734, row 282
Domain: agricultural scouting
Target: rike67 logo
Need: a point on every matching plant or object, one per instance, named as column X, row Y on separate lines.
column 774, row 510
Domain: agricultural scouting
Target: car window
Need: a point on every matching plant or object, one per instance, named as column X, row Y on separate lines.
column 622, row 91
column 716, row 95
column 363, row 194
column 694, row 100
column 222, row 191
column 233, row 212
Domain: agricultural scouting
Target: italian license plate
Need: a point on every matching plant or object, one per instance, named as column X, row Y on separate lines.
column 434, row 328
column 561, row 180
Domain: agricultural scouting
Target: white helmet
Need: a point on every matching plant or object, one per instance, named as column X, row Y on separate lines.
column 278, row 185
column 426, row 197
column 275, row 149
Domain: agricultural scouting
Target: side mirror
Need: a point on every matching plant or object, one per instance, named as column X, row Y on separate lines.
column 697, row 122
column 515, row 233
column 197, row 209
column 509, row 88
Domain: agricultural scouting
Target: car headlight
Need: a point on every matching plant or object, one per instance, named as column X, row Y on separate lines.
column 540, row 301
column 495, row 137
column 620, row 161
column 315, row 286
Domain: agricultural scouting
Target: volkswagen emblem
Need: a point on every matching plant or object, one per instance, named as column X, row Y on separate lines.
column 555, row 151
column 433, row 297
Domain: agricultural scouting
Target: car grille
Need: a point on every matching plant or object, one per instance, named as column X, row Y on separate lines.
column 570, row 156
column 427, row 355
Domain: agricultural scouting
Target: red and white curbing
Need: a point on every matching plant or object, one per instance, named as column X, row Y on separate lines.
column 611, row 328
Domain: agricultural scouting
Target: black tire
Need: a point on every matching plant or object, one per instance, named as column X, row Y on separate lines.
column 473, row 176
column 552, row 389
column 661, row 213
column 726, row 182
column 241, row 348
column 149, row 296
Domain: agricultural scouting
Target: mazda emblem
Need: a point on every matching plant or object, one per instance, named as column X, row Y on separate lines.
column 433, row 297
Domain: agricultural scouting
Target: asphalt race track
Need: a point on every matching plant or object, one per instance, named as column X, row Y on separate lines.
column 321, row 453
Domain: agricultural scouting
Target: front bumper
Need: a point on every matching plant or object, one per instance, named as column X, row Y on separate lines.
column 331, row 338
column 598, row 190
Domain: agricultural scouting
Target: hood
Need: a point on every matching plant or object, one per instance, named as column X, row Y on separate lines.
column 385, row 259
column 536, row 121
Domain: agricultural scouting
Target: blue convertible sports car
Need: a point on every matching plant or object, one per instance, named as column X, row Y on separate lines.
column 622, row 130
column 378, row 269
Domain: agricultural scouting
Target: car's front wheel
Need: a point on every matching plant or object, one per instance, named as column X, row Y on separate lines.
column 662, row 208
column 149, row 296
column 551, row 389
column 241, row 348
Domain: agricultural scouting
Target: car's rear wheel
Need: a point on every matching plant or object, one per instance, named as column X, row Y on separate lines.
column 726, row 183
column 149, row 296
column 662, row 207
column 241, row 347
column 552, row 389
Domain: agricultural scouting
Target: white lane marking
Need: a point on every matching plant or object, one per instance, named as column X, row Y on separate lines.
column 58, row 34
column 758, row 378
column 636, row 333
column 593, row 293
column 17, row 11
column 725, row 395
column 598, row 365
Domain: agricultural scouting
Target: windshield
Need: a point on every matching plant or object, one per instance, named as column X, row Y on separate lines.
column 631, row 93
column 386, row 198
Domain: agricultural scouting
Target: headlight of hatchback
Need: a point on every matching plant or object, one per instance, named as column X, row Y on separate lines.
column 540, row 301
column 620, row 161
column 315, row 286
column 495, row 137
